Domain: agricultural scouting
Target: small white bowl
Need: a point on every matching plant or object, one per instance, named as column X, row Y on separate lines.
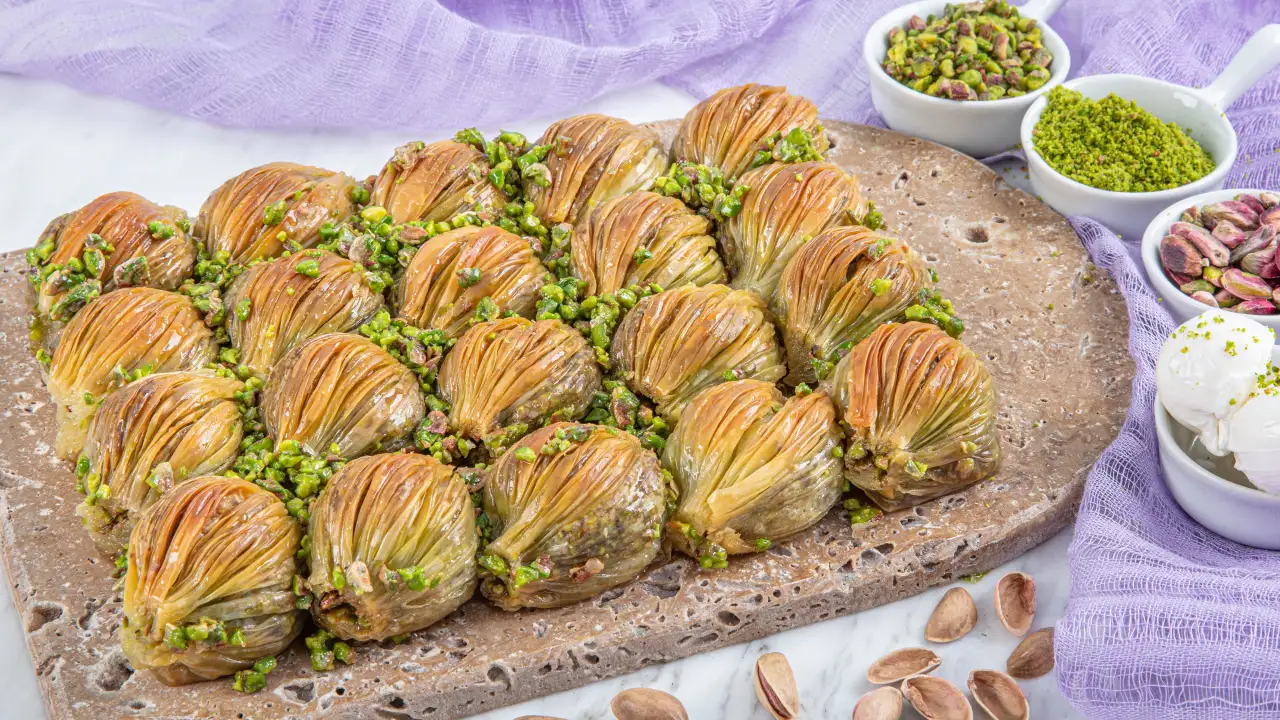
column 978, row 128
column 1199, row 111
column 1234, row 510
column 1181, row 307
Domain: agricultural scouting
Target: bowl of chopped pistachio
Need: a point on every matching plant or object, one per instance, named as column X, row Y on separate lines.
column 1122, row 148
column 963, row 75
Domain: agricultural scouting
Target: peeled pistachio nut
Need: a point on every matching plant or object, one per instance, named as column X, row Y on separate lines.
column 1033, row 657
column 1229, row 235
column 1179, row 256
column 1268, row 199
column 1205, row 297
column 1192, row 215
column 1209, row 246
column 1256, row 240
column 902, row 663
column 1213, row 276
column 883, row 703
column 647, row 704
column 1245, row 286
column 1232, row 211
column 1270, row 218
column 776, row 686
column 936, row 699
column 953, row 618
column 1254, row 203
column 1016, row 602
column 1261, row 263
column 1196, row 286
column 998, row 695
column 1256, row 306
column 1275, row 295
column 1226, row 299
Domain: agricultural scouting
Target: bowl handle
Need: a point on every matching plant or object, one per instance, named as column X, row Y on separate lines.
column 1259, row 56
column 1040, row 9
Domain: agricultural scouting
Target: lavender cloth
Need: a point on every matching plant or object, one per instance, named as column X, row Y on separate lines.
column 1166, row 620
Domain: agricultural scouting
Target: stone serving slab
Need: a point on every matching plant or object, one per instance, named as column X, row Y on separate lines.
column 1050, row 327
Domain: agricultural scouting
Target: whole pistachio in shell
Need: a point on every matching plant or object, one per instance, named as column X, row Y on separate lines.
column 920, row 409
column 901, row 664
column 591, row 160
column 1016, row 602
column 742, row 127
column 837, row 289
column 883, row 703
column 1033, row 657
column 455, row 273
column 936, row 699
column 433, row 182
column 393, row 546
column 264, row 210
column 118, row 240
column 647, row 704
column 506, row 376
column 207, row 589
column 998, row 695
column 677, row 343
column 116, row 337
column 785, row 207
column 750, row 468
column 644, row 238
column 575, row 509
column 342, row 393
column 776, row 686
column 953, row 618
column 276, row 305
column 147, row 437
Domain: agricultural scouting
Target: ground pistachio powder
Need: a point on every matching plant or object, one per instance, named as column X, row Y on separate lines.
column 1112, row 144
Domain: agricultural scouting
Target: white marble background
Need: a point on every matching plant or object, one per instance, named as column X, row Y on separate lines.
column 60, row 148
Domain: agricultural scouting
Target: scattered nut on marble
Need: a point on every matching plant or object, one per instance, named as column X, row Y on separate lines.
column 1033, row 657
column 954, row 617
column 776, row 686
column 883, row 703
column 902, row 663
column 998, row 695
column 936, row 699
column 647, row 704
column 1016, row 602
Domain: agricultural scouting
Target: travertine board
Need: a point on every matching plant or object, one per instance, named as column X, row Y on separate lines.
column 1052, row 330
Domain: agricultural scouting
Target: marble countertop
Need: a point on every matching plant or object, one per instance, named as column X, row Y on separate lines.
column 62, row 148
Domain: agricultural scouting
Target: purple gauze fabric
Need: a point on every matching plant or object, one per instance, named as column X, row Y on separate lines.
column 1166, row 619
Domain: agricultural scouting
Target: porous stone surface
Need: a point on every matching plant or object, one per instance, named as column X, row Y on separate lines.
column 1052, row 330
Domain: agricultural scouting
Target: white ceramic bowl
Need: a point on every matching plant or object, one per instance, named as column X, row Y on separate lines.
column 1200, row 111
column 1181, row 307
column 977, row 128
column 1234, row 510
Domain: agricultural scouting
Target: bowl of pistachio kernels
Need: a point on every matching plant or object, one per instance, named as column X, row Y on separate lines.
column 963, row 74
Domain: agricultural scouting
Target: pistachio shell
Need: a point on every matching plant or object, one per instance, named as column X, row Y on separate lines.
column 1033, row 657
column 776, row 686
column 433, row 182
column 647, row 704
column 936, row 699
column 883, row 703
column 902, row 663
column 728, row 128
column 1016, row 602
column 953, row 618
column 998, row 695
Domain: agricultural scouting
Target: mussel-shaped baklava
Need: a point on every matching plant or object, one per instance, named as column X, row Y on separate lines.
column 751, row 468
column 432, row 183
column 506, row 376
column 393, row 546
column 741, row 127
column 576, row 509
column 452, row 274
column 208, row 591
column 920, row 410
column 149, row 436
column 255, row 214
column 120, row 335
column 838, row 288
column 275, row 305
column 341, row 393
column 644, row 238
column 592, row 159
column 785, row 207
column 118, row 240
column 675, row 344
